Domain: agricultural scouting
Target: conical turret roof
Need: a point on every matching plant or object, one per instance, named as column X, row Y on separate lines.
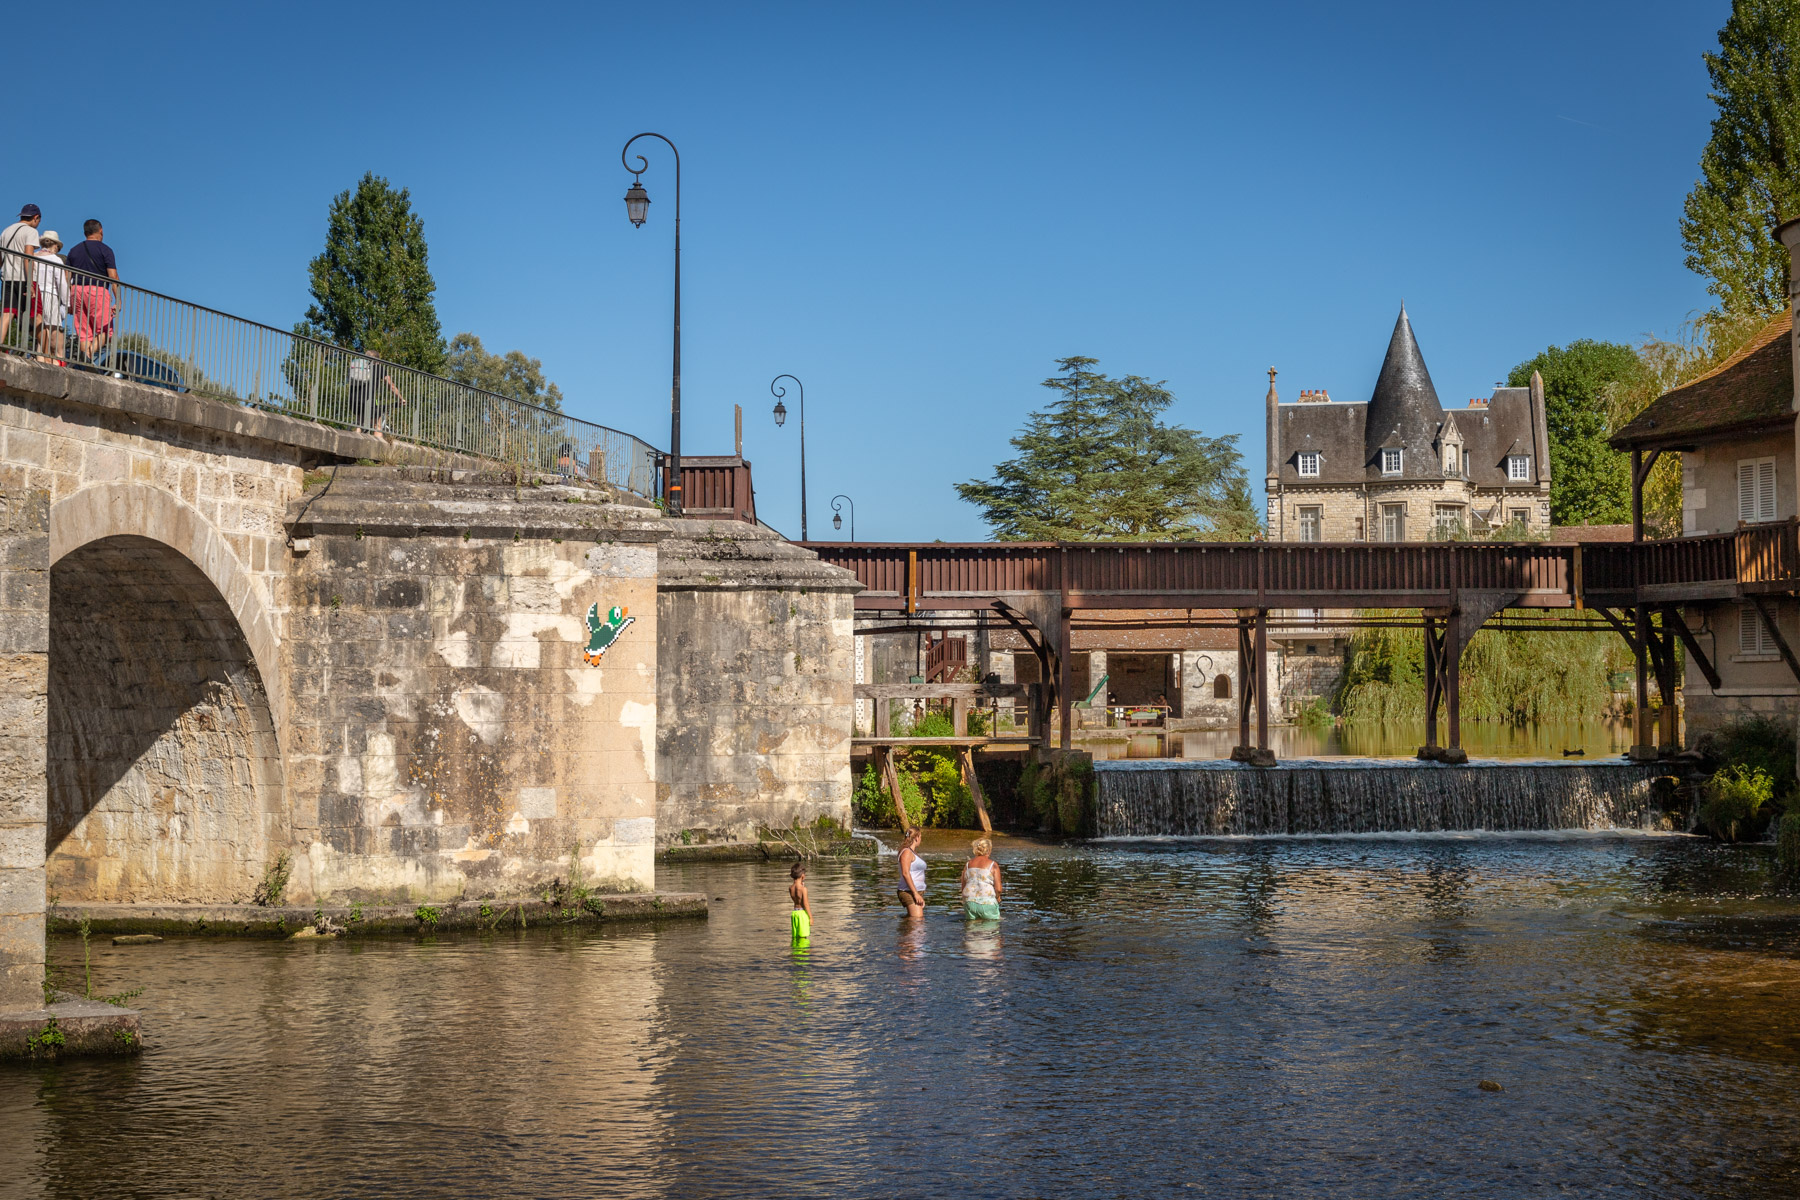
column 1404, row 404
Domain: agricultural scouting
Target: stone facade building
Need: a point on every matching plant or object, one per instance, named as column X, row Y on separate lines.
column 1400, row 468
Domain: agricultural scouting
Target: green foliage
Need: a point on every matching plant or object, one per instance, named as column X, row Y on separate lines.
column 1749, row 175
column 274, row 881
column 1758, row 744
column 1516, row 676
column 1061, row 792
column 509, row 374
column 371, row 286
column 1316, row 715
column 427, row 915
column 1787, row 845
column 1735, row 799
column 1590, row 482
column 47, row 1042
column 1099, row 465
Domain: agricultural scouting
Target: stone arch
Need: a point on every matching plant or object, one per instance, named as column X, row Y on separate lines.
column 163, row 767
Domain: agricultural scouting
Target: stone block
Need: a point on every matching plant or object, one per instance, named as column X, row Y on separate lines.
column 21, row 891
column 21, row 847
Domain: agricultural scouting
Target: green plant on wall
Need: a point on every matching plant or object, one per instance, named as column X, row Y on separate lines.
column 1736, row 797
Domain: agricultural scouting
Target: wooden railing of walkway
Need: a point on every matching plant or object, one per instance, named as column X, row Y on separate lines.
column 1457, row 586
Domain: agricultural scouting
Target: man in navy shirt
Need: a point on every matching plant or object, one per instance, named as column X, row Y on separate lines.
column 95, row 273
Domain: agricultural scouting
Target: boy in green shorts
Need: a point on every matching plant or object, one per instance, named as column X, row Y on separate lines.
column 802, row 918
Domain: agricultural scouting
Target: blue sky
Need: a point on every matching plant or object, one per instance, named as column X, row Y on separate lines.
column 917, row 208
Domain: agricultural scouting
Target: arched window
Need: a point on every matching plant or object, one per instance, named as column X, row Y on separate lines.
column 1221, row 687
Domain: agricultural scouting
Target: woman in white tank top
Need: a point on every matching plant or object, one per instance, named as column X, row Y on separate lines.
column 912, row 875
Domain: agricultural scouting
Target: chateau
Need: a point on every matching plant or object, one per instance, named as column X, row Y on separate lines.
column 1399, row 468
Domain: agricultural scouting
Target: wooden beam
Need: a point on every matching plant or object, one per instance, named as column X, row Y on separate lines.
column 1673, row 619
column 885, row 755
column 1262, row 679
column 1768, row 620
column 966, row 757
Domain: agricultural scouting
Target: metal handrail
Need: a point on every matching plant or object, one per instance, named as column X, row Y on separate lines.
column 169, row 343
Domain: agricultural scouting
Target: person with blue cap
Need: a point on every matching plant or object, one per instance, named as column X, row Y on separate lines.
column 17, row 268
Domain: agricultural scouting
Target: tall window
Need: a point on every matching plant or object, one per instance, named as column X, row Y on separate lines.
column 1312, row 522
column 1390, row 462
column 1753, row 635
column 1446, row 519
column 1518, row 516
column 1452, row 461
column 1393, row 522
column 1756, row 489
column 1361, row 536
column 1518, row 468
column 1308, row 462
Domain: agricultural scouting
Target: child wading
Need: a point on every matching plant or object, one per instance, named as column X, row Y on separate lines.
column 802, row 920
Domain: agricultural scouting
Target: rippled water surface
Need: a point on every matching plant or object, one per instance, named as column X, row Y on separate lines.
column 1284, row 1018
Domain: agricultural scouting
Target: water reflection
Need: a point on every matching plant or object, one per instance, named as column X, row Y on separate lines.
column 1294, row 1017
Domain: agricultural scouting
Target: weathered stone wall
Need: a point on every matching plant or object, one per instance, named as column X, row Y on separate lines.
column 448, row 738
column 756, row 694
column 24, row 672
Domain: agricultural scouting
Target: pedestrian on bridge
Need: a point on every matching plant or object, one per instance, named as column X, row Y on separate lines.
column 96, row 279
column 21, row 238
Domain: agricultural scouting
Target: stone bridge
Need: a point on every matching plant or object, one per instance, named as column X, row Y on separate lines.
column 230, row 635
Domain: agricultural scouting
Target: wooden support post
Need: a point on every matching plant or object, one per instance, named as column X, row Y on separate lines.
column 1672, row 619
column 1065, row 701
column 1246, row 682
column 959, row 716
column 1637, row 502
column 1434, row 650
column 1453, row 684
column 966, row 756
column 1641, row 652
column 892, row 779
column 882, row 723
column 1262, row 679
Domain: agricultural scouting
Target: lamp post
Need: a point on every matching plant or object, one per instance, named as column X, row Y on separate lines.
column 637, row 208
column 837, row 520
column 780, row 420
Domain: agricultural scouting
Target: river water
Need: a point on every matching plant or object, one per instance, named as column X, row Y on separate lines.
column 1254, row 1017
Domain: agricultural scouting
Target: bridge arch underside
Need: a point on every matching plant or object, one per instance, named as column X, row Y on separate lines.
column 164, row 773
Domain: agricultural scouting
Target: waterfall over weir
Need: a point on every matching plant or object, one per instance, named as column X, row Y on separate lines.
column 1173, row 798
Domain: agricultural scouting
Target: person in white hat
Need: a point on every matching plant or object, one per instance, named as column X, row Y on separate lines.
column 52, row 298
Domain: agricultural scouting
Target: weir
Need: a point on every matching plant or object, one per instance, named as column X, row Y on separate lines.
column 1162, row 798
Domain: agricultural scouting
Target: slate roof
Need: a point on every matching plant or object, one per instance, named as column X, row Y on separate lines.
column 1404, row 410
column 1752, row 389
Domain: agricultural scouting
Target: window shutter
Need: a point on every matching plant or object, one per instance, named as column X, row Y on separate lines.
column 1753, row 636
column 1765, row 490
column 1746, row 494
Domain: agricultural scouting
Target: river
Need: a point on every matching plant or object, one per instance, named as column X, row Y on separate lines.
column 1268, row 1017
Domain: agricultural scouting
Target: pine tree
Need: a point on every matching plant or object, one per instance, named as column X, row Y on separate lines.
column 371, row 286
column 1098, row 465
column 1750, row 169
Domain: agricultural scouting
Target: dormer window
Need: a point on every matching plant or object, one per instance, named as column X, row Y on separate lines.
column 1390, row 462
column 1308, row 463
column 1518, row 468
column 1452, row 461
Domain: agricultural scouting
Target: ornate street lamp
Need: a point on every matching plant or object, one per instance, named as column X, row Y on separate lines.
column 837, row 519
column 780, row 420
column 637, row 208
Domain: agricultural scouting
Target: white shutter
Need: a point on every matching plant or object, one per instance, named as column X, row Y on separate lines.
column 1753, row 635
column 1756, row 489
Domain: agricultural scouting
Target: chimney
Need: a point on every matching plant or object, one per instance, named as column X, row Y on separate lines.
column 1272, row 480
column 738, row 434
column 1478, row 401
column 1315, row 396
column 1540, row 431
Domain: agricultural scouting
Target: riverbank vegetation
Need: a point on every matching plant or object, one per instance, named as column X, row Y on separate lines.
column 931, row 784
column 1753, row 785
column 1519, row 676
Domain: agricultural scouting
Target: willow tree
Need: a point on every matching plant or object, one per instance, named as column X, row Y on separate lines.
column 1099, row 464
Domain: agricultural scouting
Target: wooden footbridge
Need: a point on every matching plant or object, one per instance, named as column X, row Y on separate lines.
column 1636, row 589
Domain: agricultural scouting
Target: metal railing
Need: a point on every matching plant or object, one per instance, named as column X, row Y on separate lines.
column 77, row 320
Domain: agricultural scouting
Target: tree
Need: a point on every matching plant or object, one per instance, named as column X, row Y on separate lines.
column 371, row 286
column 509, row 374
column 1590, row 482
column 1098, row 465
column 1750, row 169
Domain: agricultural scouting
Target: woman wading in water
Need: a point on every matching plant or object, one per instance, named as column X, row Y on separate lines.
column 912, row 875
column 981, row 884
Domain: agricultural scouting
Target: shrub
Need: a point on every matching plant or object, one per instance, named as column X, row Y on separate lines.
column 1735, row 798
column 274, row 881
column 1760, row 743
